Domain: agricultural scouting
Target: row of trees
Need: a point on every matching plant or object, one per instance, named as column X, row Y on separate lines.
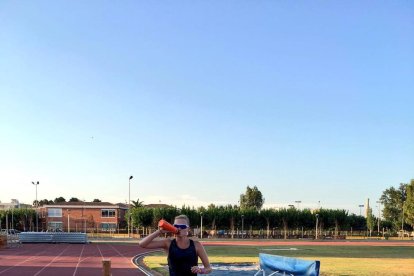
column 398, row 212
column 234, row 218
column 19, row 218
column 60, row 200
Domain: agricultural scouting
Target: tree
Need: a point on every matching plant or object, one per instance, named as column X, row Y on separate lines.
column 250, row 217
column 45, row 202
column 288, row 217
column 74, row 199
column 136, row 204
column 340, row 218
column 370, row 220
column 266, row 214
column 167, row 213
column 231, row 213
column 409, row 204
column 251, row 199
column 211, row 215
column 306, row 219
column 142, row 217
column 393, row 200
column 97, row 200
column 324, row 220
column 59, row 199
column 24, row 218
column 357, row 222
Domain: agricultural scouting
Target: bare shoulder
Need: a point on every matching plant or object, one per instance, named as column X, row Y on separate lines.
column 197, row 244
column 167, row 242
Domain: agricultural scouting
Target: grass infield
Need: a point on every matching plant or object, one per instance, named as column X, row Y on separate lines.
column 335, row 260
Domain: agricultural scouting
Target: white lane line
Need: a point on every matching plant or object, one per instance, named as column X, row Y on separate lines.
column 51, row 261
column 79, row 260
column 100, row 251
column 27, row 260
column 120, row 254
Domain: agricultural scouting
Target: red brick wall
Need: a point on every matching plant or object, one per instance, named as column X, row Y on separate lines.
column 81, row 217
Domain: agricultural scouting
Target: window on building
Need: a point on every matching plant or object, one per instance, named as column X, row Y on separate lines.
column 54, row 212
column 108, row 213
column 106, row 227
column 55, row 226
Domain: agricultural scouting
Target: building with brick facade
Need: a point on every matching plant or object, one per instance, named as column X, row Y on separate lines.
column 83, row 217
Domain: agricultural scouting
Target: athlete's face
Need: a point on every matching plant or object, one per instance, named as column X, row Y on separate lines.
column 183, row 226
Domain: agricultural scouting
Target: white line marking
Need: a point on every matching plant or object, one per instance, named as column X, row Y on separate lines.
column 100, row 251
column 79, row 260
column 119, row 253
column 27, row 260
column 51, row 261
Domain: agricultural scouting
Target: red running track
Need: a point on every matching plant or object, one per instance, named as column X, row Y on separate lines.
column 86, row 259
column 68, row 259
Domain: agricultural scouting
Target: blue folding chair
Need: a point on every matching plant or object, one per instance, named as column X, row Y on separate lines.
column 279, row 265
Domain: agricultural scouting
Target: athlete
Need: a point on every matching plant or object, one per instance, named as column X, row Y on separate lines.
column 183, row 252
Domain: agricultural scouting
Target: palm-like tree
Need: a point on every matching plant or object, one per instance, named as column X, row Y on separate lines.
column 137, row 204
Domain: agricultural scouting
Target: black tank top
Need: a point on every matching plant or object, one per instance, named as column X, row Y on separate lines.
column 180, row 260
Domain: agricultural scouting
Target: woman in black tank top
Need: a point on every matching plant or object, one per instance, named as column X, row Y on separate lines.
column 181, row 260
column 183, row 253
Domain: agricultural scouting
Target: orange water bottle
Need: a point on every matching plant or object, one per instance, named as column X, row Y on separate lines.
column 165, row 225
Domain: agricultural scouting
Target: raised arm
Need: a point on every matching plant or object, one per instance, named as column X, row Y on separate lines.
column 149, row 242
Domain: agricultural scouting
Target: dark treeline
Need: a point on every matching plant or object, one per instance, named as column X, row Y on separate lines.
column 232, row 218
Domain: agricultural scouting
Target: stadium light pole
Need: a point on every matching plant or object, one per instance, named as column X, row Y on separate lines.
column 12, row 221
column 68, row 210
column 83, row 216
column 316, row 228
column 242, row 216
column 129, row 204
column 201, row 227
column 37, row 205
column 360, row 209
column 402, row 222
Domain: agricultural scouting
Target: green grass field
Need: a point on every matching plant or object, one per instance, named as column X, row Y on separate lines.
column 335, row 260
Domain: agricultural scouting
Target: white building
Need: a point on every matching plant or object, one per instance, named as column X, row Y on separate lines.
column 14, row 204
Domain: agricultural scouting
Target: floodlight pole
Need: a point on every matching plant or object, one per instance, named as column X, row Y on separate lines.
column 129, row 204
column 360, row 209
column 402, row 222
column 68, row 210
column 37, row 206
column 316, row 228
column 242, row 217
column 201, row 227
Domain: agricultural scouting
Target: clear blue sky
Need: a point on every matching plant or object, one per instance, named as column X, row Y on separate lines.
column 308, row 100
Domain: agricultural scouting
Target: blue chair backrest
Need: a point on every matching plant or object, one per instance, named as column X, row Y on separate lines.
column 294, row 266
